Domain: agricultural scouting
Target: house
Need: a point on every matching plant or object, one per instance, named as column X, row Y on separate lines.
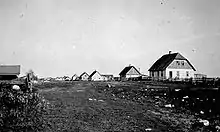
column 116, row 78
column 9, row 72
column 66, row 78
column 199, row 76
column 108, row 77
column 59, row 78
column 84, row 76
column 129, row 73
column 74, row 77
column 96, row 76
column 172, row 66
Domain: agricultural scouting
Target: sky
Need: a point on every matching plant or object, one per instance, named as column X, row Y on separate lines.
column 64, row 37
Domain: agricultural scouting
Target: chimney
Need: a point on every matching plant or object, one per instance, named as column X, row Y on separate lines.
column 170, row 52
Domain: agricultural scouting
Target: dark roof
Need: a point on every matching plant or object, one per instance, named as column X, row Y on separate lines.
column 94, row 73
column 126, row 69
column 83, row 74
column 9, row 69
column 165, row 60
column 107, row 75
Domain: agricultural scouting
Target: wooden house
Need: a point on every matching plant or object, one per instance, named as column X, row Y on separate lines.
column 84, row 76
column 172, row 66
column 75, row 77
column 9, row 72
column 96, row 76
column 129, row 73
column 108, row 77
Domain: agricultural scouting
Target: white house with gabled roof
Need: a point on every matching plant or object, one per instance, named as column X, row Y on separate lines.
column 172, row 66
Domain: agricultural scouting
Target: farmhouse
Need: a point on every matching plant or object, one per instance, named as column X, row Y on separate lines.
column 9, row 72
column 129, row 72
column 96, row 76
column 84, row 76
column 74, row 77
column 172, row 66
column 108, row 77
column 58, row 79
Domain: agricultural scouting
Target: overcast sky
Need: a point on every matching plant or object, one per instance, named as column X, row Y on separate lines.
column 63, row 37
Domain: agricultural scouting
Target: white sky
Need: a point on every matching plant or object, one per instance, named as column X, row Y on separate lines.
column 64, row 37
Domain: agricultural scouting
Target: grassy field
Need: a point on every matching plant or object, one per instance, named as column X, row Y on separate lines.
column 112, row 106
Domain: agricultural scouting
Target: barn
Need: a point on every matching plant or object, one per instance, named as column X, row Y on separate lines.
column 129, row 73
column 9, row 72
column 172, row 66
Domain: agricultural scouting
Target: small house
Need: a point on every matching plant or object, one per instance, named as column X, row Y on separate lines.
column 172, row 66
column 9, row 72
column 96, row 76
column 108, row 77
column 84, row 76
column 74, row 77
column 129, row 73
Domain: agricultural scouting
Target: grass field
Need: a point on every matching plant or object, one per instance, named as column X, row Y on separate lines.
column 112, row 106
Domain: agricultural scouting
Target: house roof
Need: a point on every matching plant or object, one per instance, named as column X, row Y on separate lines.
column 165, row 60
column 94, row 73
column 83, row 74
column 9, row 69
column 107, row 75
column 126, row 69
column 75, row 75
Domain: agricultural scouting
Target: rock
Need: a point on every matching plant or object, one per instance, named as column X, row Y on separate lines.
column 177, row 90
column 217, row 128
column 186, row 97
column 148, row 129
column 201, row 112
column 205, row 122
column 169, row 106
column 15, row 87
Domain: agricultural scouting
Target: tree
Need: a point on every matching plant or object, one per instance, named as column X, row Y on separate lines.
column 32, row 75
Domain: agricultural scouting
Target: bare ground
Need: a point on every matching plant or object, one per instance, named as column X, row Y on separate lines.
column 111, row 106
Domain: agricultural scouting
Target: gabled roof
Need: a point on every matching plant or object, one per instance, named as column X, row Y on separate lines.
column 9, row 69
column 165, row 60
column 75, row 75
column 83, row 74
column 94, row 73
column 126, row 69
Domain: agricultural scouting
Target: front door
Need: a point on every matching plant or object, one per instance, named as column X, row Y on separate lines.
column 170, row 74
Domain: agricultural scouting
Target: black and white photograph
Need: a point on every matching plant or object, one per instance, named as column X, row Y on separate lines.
column 109, row 66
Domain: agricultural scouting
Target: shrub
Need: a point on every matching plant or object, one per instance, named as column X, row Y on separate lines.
column 22, row 111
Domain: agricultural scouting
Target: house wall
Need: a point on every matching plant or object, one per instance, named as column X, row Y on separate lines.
column 132, row 76
column 179, row 69
column 97, row 77
column 182, row 73
column 84, row 77
column 158, row 74
column 179, row 64
column 132, row 71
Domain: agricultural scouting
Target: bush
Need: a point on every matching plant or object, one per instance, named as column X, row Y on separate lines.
column 22, row 111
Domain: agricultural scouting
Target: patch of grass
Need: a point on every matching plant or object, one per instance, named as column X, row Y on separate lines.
column 95, row 107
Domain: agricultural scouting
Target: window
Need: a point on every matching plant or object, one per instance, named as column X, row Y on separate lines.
column 161, row 73
column 187, row 73
column 177, row 62
column 182, row 63
column 178, row 73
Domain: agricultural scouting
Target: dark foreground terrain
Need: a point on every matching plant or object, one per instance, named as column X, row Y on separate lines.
column 114, row 106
